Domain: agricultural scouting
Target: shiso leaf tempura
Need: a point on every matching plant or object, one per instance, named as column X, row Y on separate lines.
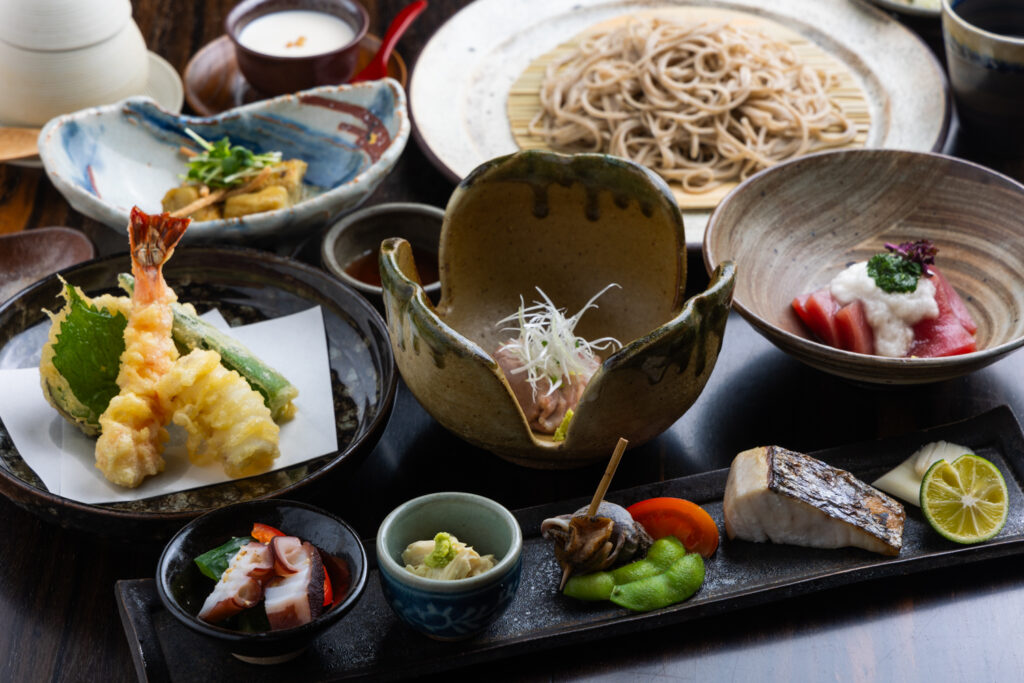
column 547, row 345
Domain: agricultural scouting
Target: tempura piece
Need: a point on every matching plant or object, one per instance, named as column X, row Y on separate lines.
column 128, row 449
column 225, row 418
column 192, row 332
column 83, row 325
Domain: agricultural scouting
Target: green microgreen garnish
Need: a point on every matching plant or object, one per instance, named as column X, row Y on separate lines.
column 899, row 270
column 546, row 344
column 222, row 164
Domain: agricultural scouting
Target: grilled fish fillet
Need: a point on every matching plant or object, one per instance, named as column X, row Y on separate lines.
column 787, row 497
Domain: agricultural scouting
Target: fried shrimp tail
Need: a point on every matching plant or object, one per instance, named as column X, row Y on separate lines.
column 129, row 447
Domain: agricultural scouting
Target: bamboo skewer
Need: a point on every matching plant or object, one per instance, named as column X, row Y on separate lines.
column 602, row 488
column 606, row 480
column 221, row 194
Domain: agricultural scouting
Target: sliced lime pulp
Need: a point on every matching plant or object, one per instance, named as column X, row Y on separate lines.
column 965, row 500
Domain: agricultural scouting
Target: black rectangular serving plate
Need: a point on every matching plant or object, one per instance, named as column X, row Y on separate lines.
column 371, row 642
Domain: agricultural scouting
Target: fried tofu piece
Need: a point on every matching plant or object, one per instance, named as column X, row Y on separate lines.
column 287, row 174
column 267, row 199
column 180, row 197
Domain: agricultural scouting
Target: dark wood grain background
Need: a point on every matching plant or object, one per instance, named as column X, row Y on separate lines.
column 58, row 617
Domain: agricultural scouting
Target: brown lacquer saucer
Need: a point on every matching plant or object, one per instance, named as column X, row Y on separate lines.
column 214, row 84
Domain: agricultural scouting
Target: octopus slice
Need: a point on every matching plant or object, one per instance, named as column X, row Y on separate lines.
column 241, row 584
column 296, row 595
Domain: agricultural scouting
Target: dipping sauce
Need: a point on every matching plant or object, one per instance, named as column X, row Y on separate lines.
column 296, row 33
column 366, row 269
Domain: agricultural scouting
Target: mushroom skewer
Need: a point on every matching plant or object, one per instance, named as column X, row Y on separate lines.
column 598, row 536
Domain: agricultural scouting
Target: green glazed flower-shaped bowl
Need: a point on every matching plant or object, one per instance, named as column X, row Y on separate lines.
column 569, row 225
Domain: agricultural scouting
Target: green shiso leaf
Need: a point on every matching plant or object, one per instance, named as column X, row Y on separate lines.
column 88, row 351
column 893, row 273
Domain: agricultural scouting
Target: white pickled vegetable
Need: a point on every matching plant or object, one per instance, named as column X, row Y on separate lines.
column 904, row 480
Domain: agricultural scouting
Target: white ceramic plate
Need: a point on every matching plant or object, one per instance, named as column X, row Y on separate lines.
column 459, row 89
column 912, row 7
column 164, row 85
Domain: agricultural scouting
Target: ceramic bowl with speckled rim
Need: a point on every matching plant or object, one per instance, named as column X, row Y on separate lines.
column 450, row 609
column 569, row 225
column 104, row 160
column 246, row 286
column 791, row 228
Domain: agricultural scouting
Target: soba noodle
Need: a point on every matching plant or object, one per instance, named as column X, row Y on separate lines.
column 699, row 104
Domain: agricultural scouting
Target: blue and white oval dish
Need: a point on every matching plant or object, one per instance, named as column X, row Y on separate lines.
column 104, row 160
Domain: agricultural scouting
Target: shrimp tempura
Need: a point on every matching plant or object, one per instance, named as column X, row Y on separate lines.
column 129, row 446
column 225, row 418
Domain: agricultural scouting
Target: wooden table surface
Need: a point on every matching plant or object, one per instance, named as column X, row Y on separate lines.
column 59, row 617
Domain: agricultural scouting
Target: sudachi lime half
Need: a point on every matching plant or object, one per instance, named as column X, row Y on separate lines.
column 965, row 500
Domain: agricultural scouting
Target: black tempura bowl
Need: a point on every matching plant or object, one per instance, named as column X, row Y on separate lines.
column 246, row 286
column 183, row 588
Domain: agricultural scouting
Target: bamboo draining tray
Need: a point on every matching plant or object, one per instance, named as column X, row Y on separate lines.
column 524, row 98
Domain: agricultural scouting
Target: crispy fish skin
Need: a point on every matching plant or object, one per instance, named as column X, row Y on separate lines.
column 787, row 497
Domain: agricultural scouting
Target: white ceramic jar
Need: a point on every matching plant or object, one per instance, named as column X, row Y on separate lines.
column 58, row 56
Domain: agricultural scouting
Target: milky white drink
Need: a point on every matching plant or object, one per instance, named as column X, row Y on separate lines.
column 296, row 33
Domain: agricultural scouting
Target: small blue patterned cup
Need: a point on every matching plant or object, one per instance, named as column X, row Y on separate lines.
column 457, row 609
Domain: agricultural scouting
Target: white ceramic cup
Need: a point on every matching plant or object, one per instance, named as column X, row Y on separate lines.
column 39, row 82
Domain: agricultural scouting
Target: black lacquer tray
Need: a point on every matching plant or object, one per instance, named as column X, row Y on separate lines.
column 371, row 642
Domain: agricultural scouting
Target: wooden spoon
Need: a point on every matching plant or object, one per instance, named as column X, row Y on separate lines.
column 18, row 143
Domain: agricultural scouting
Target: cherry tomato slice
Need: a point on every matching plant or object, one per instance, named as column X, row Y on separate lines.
column 680, row 518
column 264, row 532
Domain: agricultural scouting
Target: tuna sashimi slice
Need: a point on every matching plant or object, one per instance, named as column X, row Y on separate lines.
column 854, row 330
column 818, row 311
column 945, row 334
column 955, row 302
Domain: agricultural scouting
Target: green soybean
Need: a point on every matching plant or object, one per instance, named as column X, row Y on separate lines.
column 676, row 584
column 660, row 557
column 596, row 586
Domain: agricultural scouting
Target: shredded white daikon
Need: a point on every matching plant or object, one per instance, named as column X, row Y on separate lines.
column 547, row 345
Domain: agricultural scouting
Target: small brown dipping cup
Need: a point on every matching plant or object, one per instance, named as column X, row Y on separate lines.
column 276, row 75
column 351, row 246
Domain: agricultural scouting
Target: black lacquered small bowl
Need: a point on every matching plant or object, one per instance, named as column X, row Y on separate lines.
column 183, row 588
